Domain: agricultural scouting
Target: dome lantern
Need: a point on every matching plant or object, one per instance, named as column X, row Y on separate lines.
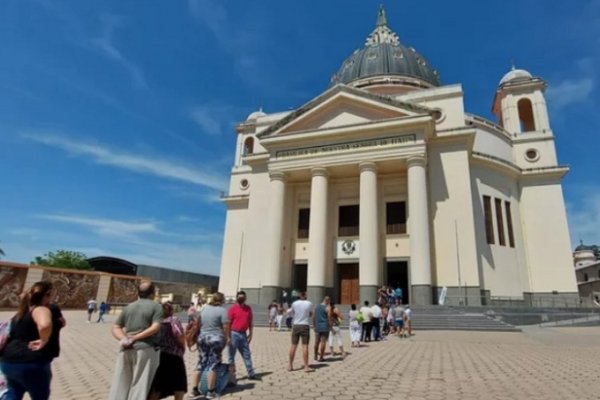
column 384, row 56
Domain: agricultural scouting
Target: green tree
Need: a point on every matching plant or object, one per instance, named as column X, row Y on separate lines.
column 63, row 259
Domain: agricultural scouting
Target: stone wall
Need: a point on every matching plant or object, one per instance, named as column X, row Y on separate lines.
column 72, row 289
column 123, row 290
column 12, row 279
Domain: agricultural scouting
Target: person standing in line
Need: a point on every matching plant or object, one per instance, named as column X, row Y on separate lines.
column 91, row 307
column 301, row 310
column 354, row 327
column 399, row 315
column 171, row 377
column 279, row 318
column 215, row 335
column 335, row 337
column 137, row 330
column 284, row 295
column 101, row 311
column 376, row 321
column 241, row 320
column 398, row 293
column 321, row 322
column 191, row 313
column 272, row 309
column 408, row 315
column 366, row 324
column 26, row 357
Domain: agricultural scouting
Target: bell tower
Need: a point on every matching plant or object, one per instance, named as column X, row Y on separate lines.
column 520, row 105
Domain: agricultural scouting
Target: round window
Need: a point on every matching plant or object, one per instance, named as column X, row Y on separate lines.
column 532, row 155
column 244, row 184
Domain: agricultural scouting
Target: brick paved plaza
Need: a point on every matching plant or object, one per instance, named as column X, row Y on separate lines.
column 547, row 363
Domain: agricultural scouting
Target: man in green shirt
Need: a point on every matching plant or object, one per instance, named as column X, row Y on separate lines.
column 137, row 329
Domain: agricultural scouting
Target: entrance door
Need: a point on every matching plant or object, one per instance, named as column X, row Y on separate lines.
column 348, row 283
column 397, row 276
column 299, row 277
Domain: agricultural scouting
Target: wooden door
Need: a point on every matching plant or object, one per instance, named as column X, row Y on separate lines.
column 349, row 283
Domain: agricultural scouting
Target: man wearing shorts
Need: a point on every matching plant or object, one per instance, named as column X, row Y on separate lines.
column 301, row 310
column 321, row 324
column 399, row 316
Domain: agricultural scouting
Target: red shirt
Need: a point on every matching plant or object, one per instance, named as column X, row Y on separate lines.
column 240, row 316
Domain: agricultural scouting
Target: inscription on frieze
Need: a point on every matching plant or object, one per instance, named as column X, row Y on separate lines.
column 346, row 146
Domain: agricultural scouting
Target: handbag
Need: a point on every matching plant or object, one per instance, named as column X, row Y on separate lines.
column 5, row 327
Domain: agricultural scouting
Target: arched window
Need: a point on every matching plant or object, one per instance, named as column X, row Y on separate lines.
column 526, row 115
column 248, row 146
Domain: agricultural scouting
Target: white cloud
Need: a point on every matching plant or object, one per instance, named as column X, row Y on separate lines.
column 105, row 43
column 207, row 120
column 569, row 91
column 133, row 162
column 584, row 215
column 106, row 226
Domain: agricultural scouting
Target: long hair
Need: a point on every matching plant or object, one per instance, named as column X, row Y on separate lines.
column 33, row 297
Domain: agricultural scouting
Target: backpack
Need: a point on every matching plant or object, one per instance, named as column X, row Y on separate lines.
column 5, row 327
column 192, row 330
column 360, row 317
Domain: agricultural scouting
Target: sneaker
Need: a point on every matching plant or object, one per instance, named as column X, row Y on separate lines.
column 212, row 395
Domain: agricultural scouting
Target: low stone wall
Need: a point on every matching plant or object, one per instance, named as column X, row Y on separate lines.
column 73, row 288
column 12, row 280
column 123, row 290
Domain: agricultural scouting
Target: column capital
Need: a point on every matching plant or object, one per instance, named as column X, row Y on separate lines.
column 367, row 166
column 416, row 160
column 277, row 176
column 319, row 171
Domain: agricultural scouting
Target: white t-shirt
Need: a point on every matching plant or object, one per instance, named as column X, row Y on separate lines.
column 376, row 311
column 301, row 310
column 408, row 313
column 366, row 312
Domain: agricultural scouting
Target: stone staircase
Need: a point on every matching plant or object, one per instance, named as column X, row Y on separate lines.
column 427, row 318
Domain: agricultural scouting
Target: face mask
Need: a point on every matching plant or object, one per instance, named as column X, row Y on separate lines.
column 241, row 300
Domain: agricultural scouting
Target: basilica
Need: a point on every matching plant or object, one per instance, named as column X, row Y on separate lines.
column 385, row 179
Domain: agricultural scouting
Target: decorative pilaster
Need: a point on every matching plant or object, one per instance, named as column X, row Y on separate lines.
column 369, row 262
column 420, row 258
column 272, row 279
column 317, row 235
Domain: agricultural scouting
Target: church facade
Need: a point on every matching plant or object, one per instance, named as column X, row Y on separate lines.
column 385, row 179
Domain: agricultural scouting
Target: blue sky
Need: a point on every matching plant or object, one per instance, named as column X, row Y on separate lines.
column 117, row 118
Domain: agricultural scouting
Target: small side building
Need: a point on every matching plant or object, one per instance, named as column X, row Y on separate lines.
column 182, row 284
column 587, row 271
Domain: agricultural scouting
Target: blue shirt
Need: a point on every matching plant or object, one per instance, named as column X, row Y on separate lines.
column 321, row 319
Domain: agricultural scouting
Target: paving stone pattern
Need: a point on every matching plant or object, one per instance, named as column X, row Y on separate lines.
column 538, row 363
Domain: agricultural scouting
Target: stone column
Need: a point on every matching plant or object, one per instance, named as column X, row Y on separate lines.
column 369, row 262
column 317, row 235
column 271, row 288
column 418, row 206
column 103, row 288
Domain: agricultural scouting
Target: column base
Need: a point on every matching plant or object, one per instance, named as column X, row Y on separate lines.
column 367, row 293
column 270, row 293
column 421, row 295
column 315, row 294
column 460, row 296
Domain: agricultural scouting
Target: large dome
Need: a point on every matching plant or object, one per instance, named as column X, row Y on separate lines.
column 384, row 55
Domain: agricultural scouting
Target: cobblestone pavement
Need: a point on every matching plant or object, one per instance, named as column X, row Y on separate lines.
column 540, row 363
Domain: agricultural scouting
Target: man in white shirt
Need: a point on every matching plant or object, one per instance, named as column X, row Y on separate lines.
column 366, row 324
column 376, row 321
column 302, row 311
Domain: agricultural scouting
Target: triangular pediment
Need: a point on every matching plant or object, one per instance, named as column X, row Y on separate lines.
column 343, row 106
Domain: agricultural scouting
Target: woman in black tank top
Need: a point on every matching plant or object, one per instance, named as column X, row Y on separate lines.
column 25, row 360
